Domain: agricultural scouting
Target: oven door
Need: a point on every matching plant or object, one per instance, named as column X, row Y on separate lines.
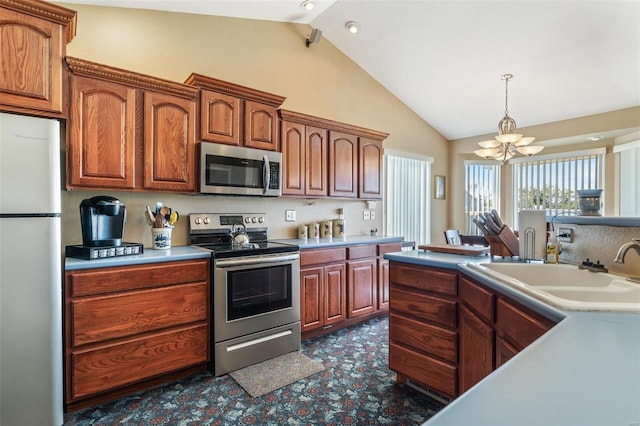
column 255, row 293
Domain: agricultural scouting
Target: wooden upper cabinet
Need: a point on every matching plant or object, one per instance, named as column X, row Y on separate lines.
column 220, row 118
column 169, row 142
column 370, row 168
column 343, row 165
column 293, row 158
column 261, row 126
column 237, row 115
column 33, row 39
column 304, row 151
column 102, row 131
column 129, row 131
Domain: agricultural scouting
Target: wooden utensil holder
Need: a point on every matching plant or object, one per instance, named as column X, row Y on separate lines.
column 504, row 244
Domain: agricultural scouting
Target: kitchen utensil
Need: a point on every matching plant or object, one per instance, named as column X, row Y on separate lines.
column 159, row 221
column 491, row 224
column 173, row 217
column 151, row 218
column 497, row 218
column 481, row 226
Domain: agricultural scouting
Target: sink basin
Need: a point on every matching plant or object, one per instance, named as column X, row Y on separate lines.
column 547, row 275
column 566, row 286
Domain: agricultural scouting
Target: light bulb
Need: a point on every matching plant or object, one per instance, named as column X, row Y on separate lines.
column 352, row 26
column 307, row 4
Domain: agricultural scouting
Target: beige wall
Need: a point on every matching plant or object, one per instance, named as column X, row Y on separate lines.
column 560, row 136
column 264, row 55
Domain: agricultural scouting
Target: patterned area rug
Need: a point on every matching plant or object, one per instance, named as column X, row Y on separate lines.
column 272, row 374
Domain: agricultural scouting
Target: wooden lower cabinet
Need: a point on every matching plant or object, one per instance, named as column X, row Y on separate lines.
column 129, row 328
column 423, row 343
column 447, row 332
column 342, row 286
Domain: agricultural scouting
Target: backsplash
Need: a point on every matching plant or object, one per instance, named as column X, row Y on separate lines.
column 138, row 230
column 598, row 242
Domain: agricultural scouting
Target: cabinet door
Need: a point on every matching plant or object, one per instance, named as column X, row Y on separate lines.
column 31, row 51
column 370, row 170
column 475, row 350
column 504, row 351
column 293, row 158
column 363, row 287
column 335, row 294
column 219, row 118
column 316, row 161
column 101, row 141
column 312, row 298
column 169, row 143
column 383, row 284
column 261, row 126
column 343, row 165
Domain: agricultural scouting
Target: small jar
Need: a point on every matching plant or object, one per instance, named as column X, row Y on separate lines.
column 314, row 230
column 338, row 228
column 303, row 232
column 326, row 229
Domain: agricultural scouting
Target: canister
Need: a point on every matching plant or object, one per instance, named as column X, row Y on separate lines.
column 314, row 230
column 303, row 232
column 338, row 228
column 326, row 229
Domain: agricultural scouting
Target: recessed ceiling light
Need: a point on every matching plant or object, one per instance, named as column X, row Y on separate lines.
column 307, row 4
column 595, row 138
column 352, row 26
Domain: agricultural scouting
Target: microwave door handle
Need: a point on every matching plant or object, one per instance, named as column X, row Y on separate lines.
column 266, row 176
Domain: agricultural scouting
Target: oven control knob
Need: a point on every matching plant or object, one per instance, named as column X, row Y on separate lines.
column 261, row 219
column 247, row 219
column 254, row 219
column 197, row 221
column 206, row 220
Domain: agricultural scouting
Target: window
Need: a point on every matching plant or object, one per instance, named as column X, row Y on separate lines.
column 408, row 196
column 551, row 182
column 629, row 178
column 482, row 190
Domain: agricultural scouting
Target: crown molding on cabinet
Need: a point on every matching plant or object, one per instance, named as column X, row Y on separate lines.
column 45, row 10
column 236, row 90
column 310, row 120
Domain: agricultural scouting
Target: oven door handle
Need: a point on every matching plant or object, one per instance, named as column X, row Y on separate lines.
column 255, row 260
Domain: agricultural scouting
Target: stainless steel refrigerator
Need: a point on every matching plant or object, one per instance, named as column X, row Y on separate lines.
column 31, row 387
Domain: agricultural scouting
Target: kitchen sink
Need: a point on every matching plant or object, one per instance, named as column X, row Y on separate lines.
column 566, row 286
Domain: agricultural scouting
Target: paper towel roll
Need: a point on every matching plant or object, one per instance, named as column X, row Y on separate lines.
column 532, row 234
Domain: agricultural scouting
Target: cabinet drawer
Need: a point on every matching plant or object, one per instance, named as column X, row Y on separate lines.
column 435, row 374
column 107, row 317
column 315, row 257
column 107, row 280
column 521, row 327
column 110, row 367
column 422, row 306
column 428, row 279
column 425, row 337
column 361, row 252
column 477, row 298
column 388, row 248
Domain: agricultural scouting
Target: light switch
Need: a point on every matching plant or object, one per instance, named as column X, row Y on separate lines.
column 290, row 215
column 366, row 214
column 373, row 215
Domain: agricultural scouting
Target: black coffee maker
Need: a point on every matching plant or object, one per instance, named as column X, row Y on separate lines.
column 102, row 219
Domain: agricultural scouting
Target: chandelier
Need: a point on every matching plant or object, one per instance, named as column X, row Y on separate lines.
column 507, row 143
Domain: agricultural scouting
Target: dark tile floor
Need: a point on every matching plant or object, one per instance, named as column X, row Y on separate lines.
column 356, row 388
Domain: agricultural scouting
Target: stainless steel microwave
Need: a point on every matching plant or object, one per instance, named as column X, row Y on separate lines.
column 233, row 170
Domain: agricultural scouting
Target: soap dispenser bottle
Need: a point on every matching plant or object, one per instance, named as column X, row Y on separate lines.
column 553, row 248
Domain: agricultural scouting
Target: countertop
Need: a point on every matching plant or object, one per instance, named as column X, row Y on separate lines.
column 349, row 240
column 148, row 256
column 584, row 371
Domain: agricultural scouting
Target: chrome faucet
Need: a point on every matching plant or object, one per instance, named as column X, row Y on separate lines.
column 625, row 248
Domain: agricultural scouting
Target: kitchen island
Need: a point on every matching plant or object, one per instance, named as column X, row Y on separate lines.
column 584, row 371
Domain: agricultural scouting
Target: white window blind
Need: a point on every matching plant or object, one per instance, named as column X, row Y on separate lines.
column 629, row 178
column 408, row 197
column 482, row 190
column 550, row 183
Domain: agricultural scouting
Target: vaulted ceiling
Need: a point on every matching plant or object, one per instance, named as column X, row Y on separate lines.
column 444, row 59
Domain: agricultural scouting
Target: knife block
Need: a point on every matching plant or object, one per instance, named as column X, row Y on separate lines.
column 504, row 243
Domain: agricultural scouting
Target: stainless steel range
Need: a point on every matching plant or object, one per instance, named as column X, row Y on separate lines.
column 256, row 289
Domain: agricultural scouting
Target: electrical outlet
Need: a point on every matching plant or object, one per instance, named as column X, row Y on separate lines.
column 290, row 215
column 565, row 235
column 366, row 214
column 373, row 215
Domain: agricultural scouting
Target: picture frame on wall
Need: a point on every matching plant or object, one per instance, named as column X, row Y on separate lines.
column 440, row 187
